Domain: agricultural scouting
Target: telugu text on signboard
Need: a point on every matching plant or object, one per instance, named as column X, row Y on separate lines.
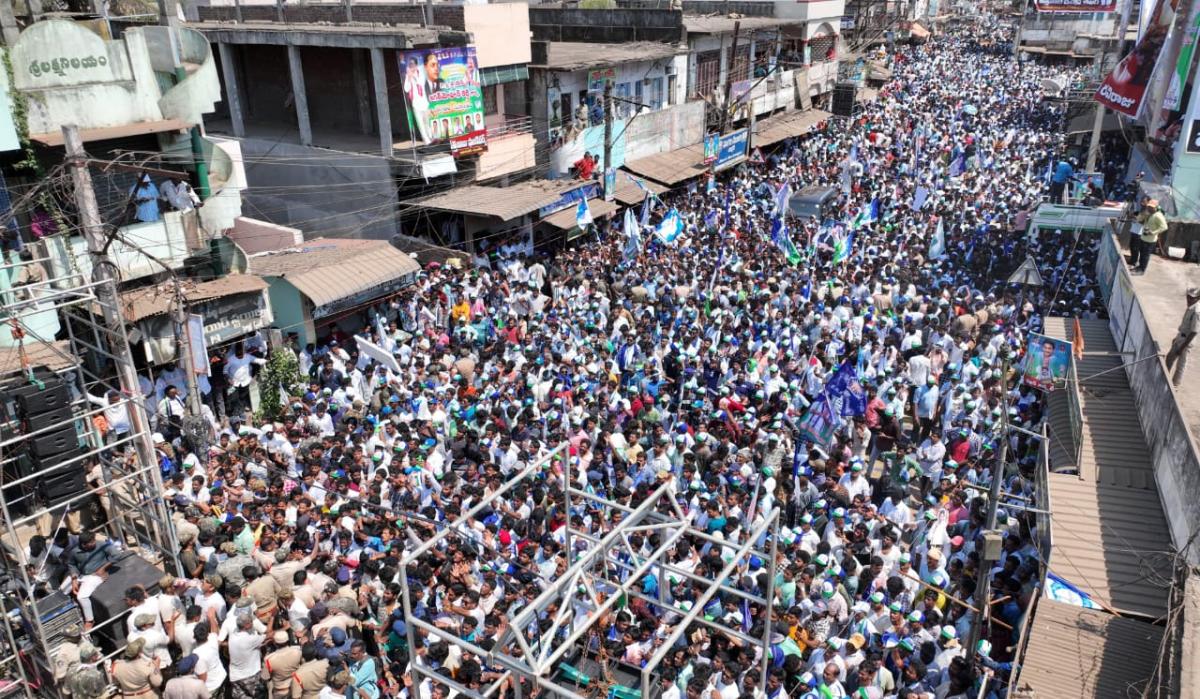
column 445, row 98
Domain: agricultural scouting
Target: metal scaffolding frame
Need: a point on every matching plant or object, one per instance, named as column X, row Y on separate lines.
column 525, row 651
column 138, row 517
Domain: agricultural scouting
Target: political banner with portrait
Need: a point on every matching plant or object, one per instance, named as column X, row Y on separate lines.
column 445, row 98
column 1124, row 90
column 1047, row 362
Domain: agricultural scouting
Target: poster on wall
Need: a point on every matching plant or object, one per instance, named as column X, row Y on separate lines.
column 1124, row 90
column 1046, row 363
column 598, row 78
column 445, row 98
column 1075, row 5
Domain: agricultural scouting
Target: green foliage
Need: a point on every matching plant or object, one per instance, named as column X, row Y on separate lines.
column 282, row 370
column 597, row 4
column 20, row 115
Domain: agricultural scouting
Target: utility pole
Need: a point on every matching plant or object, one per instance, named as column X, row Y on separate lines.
column 106, row 293
column 608, row 109
column 194, row 424
column 1098, row 122
column 730, row 65
column 991, row 537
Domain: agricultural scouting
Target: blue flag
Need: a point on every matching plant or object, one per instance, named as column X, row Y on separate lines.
column 1060, row 590
column 633, row 237
column 670, row 228
column 844, row 388
column 583, row 215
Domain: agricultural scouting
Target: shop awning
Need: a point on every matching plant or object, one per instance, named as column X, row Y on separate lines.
column 137, row 304
column 672, row 167
column 777, row 128
column 919, row 31
column 629, row 193
column 504, row 203
column 503, row 74
column 565, row 219
column 327, row 270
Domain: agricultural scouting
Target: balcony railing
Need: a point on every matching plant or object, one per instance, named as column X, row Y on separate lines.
column 512, row 125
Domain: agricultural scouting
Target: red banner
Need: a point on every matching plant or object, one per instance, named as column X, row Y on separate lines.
column 1075, row 5
column 1125, row 89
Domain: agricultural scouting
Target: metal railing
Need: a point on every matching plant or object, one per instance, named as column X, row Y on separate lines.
column 511, row 126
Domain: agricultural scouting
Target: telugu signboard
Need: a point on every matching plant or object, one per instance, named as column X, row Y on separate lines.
column 445, row 98
column 732, row 150
column 1125, row 89
column 1075, row 5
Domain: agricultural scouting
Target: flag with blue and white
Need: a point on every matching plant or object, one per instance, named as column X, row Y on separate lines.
column 583, row 215
column 633, row 236
column 670, row 228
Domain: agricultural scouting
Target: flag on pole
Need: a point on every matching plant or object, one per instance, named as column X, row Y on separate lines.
column 633, row 236
column 670, row 228
column 819, row 423
column 781, row 198
column 920, row 197
column 842, row 247
column 645, row 220
column 583, row 215
column 937, row 246
column 783, row 240
column 1059, row 590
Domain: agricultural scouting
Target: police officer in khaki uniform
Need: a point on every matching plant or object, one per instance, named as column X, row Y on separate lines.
column 309, row 679
column 66, row 656
column 136, row 676
column 264, row 590
column 85, row 679
column 280, row 665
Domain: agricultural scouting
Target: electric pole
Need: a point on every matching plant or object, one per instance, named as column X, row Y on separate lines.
column 608, row 118
column 195, row 427
column 106, row 294
column 730, row 65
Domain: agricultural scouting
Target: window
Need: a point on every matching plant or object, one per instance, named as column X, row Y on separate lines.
column 739, row 67
column 490, row 102
column 639, row 92
column 623, row 109
column 656, row 93
column 708, row 72
column 823, row 48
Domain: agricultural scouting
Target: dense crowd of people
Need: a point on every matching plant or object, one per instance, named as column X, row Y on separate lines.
column 699, row 362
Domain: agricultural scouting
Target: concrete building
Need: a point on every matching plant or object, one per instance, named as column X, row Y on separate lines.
column 318, row 98
column 138, row 109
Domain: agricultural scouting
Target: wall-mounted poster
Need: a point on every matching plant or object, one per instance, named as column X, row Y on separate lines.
column 445, row 98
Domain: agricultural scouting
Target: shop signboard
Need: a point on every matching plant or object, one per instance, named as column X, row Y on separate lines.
column 732, row 150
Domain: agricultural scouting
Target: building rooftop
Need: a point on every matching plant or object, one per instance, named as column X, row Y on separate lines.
column 562, row 55
column 696, row 24
column 347, row 35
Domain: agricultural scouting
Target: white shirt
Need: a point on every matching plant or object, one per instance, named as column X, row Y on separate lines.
column 210, row 657
column 238, row 369
column 245, row 655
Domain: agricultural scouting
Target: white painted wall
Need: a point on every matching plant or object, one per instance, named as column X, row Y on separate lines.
column 501, row 31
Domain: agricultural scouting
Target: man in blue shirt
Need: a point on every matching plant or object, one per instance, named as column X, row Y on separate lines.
column 1063, row 172
column 145, row 200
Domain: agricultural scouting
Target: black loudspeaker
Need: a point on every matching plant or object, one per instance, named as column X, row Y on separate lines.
column 108, row 601
column 47, row 446
column 40, row 421
column 52, row 396
column 60, row 486
column 844, row 95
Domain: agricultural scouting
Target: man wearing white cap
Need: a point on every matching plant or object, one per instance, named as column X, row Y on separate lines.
column 1181, row 346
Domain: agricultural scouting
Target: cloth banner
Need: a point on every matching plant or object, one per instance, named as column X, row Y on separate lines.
column 1125, row 89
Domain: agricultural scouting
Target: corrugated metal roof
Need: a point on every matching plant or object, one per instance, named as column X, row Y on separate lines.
column 671, row 167
column 152, row 300
column 1104, row 543
column 1113, row 449
column 55, row 356
column 329, row 269
column 504, row 203
column 565, row 219
column 564, row 55
column 776, row 128
column 629, row 193
column 1077, row 653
